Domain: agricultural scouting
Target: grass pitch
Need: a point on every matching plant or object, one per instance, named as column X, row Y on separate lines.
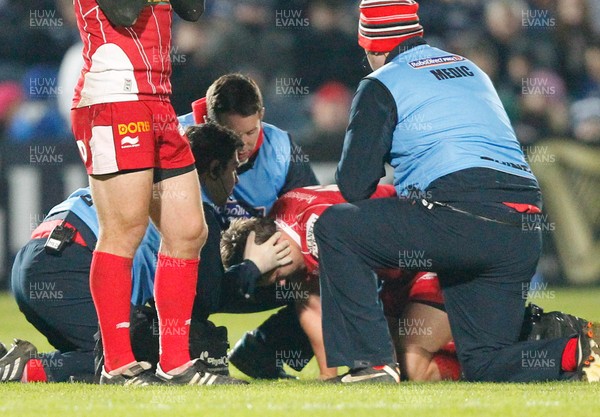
column 304, row 397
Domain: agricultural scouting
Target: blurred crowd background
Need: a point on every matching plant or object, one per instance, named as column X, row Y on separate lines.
column 542, row 55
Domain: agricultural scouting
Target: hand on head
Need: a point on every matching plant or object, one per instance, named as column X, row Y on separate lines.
column 272, row 254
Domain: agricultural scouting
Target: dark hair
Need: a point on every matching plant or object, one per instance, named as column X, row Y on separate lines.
column 233, row 93
column 211, row 141
column 233, row 240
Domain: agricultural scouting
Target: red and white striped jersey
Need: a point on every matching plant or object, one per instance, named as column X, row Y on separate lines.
column 124, row 63
column 296, row 212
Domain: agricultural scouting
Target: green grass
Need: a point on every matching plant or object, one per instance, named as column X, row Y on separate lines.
column 304, row 397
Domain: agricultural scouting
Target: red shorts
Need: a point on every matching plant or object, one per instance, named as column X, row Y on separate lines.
column 426, row 288
column 130, row 135
column 423, row 287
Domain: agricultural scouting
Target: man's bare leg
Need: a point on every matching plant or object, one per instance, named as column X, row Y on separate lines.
column 176, row 210
column 420, row 333
column 123, row 204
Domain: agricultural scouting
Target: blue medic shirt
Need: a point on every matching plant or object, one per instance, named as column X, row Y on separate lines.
column 428, row 113
column 278, row 167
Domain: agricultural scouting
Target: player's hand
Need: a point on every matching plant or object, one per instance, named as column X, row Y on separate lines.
column 269, row 255
column 122, row 12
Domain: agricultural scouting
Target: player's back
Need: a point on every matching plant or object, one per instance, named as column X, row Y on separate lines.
column 297, row 211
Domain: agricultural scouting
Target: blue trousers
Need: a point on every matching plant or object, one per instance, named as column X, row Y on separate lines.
column 53, row 292
column 483, row 267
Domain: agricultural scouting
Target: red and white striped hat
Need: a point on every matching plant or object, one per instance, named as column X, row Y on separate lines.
column 384, row 24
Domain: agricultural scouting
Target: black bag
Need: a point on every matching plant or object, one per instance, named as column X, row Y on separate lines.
column 538, row 325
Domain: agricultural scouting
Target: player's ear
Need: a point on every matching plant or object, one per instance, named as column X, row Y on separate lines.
column 214, row 169
column 262, row 113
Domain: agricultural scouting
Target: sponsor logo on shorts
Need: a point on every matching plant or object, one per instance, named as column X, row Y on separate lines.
column 134, row 127
column 129, row 142
column 434, row 61
column 82, row 150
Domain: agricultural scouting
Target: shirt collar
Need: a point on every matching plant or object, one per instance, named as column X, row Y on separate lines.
column 405, row 46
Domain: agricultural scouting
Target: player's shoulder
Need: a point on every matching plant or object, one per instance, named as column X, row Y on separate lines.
column 275, row 148
column 316, row 194
column 274, row 134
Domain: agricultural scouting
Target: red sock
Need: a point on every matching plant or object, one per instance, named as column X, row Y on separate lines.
column 174, row 293
column 110, row 284
column 34, row 371
column 448, row 366
column 569, row 356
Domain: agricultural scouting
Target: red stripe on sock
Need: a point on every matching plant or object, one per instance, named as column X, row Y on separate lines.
column 110, row 284
column 569, row 356
column 34, row 371
column 174, row 293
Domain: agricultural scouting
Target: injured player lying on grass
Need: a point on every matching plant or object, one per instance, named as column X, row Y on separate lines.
column 413, row 301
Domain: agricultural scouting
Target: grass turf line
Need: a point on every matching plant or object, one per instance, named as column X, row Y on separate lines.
column 304, row 397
